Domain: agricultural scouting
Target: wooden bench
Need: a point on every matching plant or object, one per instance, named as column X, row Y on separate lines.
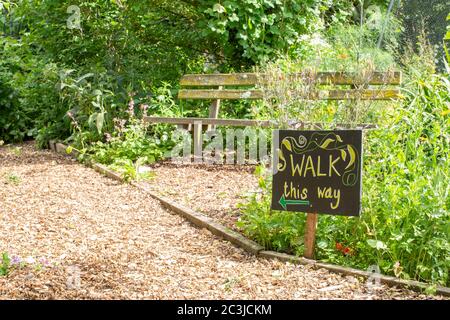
column 329, row 86
column 214, row 87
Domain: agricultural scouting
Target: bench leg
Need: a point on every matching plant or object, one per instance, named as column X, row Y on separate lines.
column 187, row 127
column 198, row 142
column 214, row 111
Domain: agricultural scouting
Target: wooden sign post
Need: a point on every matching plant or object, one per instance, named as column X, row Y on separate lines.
column 317, row 172
column 310, row 235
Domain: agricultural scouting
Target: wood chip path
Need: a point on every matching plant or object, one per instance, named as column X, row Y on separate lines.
column 84, row 236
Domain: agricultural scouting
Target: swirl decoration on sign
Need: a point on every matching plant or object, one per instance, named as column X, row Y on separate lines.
column 327, row 141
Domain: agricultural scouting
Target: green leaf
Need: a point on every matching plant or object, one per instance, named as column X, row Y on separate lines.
column 447, row 35
column 5, row 263
column 219, row 8
column 233, row 17
column 87, row 75
column 376, row 244
column 431, row 289
column 91, row 120
column 99, row 121
column 95, row 104
column 97, row 92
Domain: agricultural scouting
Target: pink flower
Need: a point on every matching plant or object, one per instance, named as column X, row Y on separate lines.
column 108, row 137
column 131, row 105
column 119, row 124
column 30, row 260
column 16, row 260
column 43, row 261
column 144, row 108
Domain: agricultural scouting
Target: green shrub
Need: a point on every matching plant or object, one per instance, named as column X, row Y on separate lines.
column 15, row 121
column 132, row 143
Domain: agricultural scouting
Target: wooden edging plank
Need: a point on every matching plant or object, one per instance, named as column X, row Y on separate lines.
column 249, row 245
column 388, row 280
column 107, row 172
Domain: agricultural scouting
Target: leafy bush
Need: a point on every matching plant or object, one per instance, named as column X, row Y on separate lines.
column 48, row 69
column 75, row 84
column 30, row 101
column 131, row 143
column 15, row 121
column 259, row 29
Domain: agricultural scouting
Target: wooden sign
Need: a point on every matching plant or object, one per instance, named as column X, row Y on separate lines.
column 318, row 171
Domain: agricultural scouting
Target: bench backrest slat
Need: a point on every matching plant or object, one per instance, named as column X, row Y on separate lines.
column 363, row 94
column 320, row 78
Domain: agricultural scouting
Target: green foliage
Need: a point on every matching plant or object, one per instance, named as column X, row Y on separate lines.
column 135, row 40
column 130, row 170
column 130, row 143
column 256, row 31
column 345, row 48
column 5, row 264
column 447, row 38
column 12, row 178
column 447, row 35
column 259, row 29
column 51, row 69
column 275, row 230
column 29, row 96
column 129, row 147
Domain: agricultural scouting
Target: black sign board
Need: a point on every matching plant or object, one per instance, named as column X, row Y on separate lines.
column 318, row 171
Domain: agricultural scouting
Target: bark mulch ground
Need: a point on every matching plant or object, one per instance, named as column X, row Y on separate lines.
column 213, row 190
column 85, row 236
